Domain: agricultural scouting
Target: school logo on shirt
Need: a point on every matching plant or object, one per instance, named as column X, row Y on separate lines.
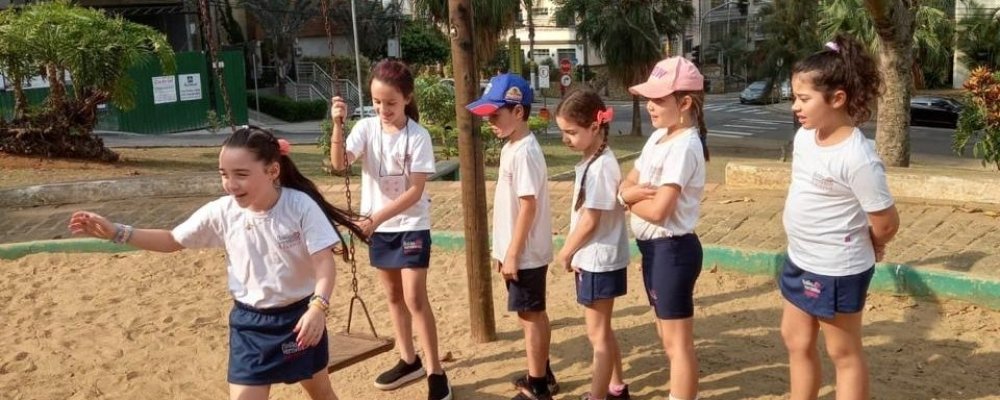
column 812, row 288
column 289, row 240
column 822, row 182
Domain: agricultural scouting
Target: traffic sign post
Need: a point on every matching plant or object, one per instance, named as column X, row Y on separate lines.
column 543, row 76
column 565, row 65
column 564, row 81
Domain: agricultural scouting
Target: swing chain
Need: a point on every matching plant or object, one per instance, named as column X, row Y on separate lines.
column 206, row 32
column 324, row 9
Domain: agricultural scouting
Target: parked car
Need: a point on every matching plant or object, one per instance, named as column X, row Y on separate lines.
column 934, row 111
column 758, row 92
column 786, row 90
column 362, row 112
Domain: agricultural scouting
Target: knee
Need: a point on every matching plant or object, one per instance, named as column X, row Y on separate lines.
column 845, row 355
column 416, row 302
column 395, row 296
column 798, row 342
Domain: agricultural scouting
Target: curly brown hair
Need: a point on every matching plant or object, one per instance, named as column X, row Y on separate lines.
column 845, row 64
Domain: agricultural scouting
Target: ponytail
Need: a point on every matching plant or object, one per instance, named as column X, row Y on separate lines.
column 845, row 64
column 412, row 111
column 698, row 111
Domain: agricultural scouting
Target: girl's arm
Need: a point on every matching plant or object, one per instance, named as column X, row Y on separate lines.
column 312, row 325
column 631, row 192
column 91, row 224
column 883, row 226
column 660, row 207
column 338, row 111
column 586, row 225
column 405, row 200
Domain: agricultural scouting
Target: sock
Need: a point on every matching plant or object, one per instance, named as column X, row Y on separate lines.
column 548, row 370
column 616, row 389
column 538, row 385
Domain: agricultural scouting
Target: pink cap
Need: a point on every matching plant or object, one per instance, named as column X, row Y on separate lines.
column 668, row 76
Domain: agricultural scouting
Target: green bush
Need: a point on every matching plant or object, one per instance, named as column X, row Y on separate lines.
column 290, row 110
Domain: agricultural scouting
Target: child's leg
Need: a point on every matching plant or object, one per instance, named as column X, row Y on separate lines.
column 678, row 341
column 598, row 317
column 617, row 378
column 245, row 392
column 843, row 344
column 799, row 330
column 393, row 283
column 415, row 295
column 318, row 387
column 537, row 334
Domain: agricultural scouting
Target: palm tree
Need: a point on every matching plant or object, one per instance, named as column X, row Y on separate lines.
column 281, row 21
column 977, row 38
column 931, row 24
column 628, row 34
column 16, row 67
column 790, row 34
column 894, row 21
column 491, row 19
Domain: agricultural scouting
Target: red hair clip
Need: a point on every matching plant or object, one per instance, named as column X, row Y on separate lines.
column 284, row 147
column 606, row 115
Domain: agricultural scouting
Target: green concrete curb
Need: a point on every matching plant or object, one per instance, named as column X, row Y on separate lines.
column 889, row 278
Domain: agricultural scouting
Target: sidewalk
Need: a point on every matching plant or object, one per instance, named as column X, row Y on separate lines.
column 946, row 237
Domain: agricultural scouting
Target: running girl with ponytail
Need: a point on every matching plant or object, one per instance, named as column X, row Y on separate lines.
column 596, row 249
column 839, row 216
column 664, row 192
column 278, row 233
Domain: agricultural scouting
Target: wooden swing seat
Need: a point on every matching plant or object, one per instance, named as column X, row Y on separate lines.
column 347, row 349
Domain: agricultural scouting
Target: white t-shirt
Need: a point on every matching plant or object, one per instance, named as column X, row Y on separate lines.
column 607, row 249
column 522, row 173
column 269, row 253
column 832, row 190
column 389, row 156
column 679, row 161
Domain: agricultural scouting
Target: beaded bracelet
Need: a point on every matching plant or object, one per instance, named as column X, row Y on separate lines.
column 122, row 233
column 320, row 301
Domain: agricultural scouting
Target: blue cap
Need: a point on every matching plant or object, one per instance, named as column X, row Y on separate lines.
column 502, row 90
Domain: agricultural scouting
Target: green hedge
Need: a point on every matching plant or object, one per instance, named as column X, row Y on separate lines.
column 290, row 110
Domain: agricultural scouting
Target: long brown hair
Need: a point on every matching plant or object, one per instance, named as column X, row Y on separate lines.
column 581, row 106
column 845, row 64
column 396, row 74
column 698, row 110
column 265, row 146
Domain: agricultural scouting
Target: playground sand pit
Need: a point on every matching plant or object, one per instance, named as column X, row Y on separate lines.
column 145, row 325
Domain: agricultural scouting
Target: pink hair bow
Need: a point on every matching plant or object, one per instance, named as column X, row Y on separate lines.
column 606, row 115
column 284, row 147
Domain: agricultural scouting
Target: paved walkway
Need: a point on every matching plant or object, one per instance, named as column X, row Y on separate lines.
column 961, row 238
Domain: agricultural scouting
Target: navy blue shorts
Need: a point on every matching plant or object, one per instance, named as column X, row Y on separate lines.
column 670, row 268
column 823, row 296
column 392, row 250
column 593, row 286
column 528, row 292
column 262, row 348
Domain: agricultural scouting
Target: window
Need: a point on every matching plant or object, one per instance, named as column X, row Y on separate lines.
column 566, row 53
column 540, row 54
column 539, row 11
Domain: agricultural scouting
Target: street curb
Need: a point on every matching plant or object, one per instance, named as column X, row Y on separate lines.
column 894, row 279
column 973, row 186
column 111, row 189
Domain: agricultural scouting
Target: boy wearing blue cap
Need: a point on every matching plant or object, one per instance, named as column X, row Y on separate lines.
column 522, row 224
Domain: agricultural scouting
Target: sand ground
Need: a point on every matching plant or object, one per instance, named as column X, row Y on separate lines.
column 145, row 325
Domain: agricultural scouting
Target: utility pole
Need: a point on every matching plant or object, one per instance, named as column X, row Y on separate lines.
column 471, row 170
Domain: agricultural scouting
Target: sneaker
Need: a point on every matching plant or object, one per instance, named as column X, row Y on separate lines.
column 531, row 395
column 620, row 396
column 438, row 387
column 523, row 385
column 399, row 375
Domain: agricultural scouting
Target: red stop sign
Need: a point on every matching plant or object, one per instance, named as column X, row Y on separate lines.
column 565, row 66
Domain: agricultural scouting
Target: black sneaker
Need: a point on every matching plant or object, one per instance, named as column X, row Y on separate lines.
column 522, row 384
column 399, row 375
column 621, row 396
column 438, row 387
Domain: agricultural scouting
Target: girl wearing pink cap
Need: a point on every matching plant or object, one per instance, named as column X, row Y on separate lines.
column 663, row 191
column 839, row 216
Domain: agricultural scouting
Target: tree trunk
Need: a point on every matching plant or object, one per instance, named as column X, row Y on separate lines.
column 20, row 101
column 894, row 21
column 57, row 90
column 471, row 170
column 636, row 117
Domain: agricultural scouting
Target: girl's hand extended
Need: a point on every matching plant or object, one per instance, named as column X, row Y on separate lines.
column 310, row 328
column 90, row 224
